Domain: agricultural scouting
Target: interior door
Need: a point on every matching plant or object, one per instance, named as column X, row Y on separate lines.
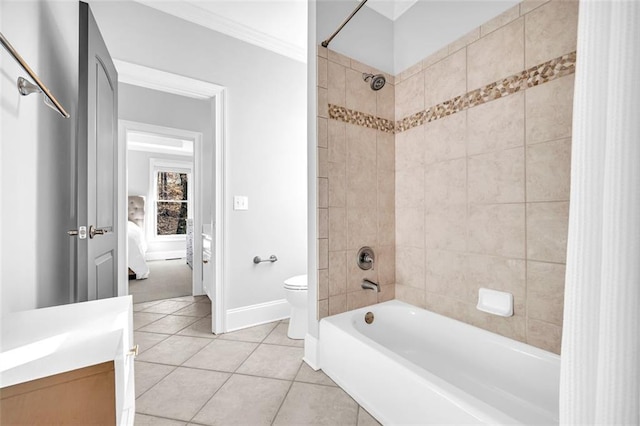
column 97, row 165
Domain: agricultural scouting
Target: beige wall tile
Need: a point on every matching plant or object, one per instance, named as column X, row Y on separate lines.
column 497, row 273
column 410, row 95
column 500, row 21
column 323, row 223
column 323, row 284
column 361, row 298
column 337, row 196
column 386, row 221
column 497, row 229
column 323, row 166
column 387, row 292
column 445, row 274
column 337, row 85
column 446, row 184
column 323, row 133
column 545, row 291
column 359, row 97
column 386, row 151
column 322, row 72
column 497, row 177
column 435, row 57
column 447, row 306
column 323, row 308
column 465, row 40
column 323, row 253
column 361, row 167
column 410, row 267
column 544, row 335
column 549, row 171
column 337, row 141
column 550, row 31
column 410, row 187
column 446, row 227
column 512, row 327
column 386, row 102
column 496, row 56
column 547, row 227
column 362, row 67
column 361, row 227
column 496, row 125
column 527, row 6
column 413, row 296
column 445, row 139
column 321, row 51
column 337, row 272
column 386, row 265
column 446, row 79
column 549, row 110
column 410, row 146
column 323, row 193
column 337, row 304
column 338, row 58
column 323, row 102
column 410, row 227
column 411, row 71
column 337, row 228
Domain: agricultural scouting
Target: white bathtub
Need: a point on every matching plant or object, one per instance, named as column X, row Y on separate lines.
column 412, row 366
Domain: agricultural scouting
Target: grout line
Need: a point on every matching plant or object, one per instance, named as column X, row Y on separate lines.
column 286, row 394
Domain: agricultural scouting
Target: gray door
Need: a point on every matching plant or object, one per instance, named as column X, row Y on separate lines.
column 97, row 164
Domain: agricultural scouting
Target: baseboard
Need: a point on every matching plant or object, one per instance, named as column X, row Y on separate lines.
column 164, row 255
column 311, row 352
column 248, row 316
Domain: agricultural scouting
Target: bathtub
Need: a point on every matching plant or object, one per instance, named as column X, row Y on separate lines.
column 412, row 366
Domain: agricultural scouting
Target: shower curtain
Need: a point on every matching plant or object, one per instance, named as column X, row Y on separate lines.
column 600, row 364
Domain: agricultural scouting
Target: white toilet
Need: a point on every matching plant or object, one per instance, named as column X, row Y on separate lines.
column 295, row 289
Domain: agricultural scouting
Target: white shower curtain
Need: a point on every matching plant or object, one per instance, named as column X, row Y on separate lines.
column 600, row 366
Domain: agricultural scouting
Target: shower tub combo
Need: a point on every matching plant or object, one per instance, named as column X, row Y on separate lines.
column 412, row 366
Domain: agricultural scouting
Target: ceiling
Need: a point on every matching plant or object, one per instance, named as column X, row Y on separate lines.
column 392, row 9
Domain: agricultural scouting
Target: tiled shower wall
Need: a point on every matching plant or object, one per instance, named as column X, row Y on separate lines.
column 456, row 173
column 356, row 198
column 482, row 189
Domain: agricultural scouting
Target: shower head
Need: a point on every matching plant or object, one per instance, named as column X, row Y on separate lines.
column 377, row 81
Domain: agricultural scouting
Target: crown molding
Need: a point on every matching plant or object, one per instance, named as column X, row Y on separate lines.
column 151, row 78
column 206, row 18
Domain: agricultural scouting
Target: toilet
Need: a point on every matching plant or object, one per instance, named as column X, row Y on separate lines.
column 295, row 289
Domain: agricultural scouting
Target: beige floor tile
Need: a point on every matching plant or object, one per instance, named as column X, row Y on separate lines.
column 279, row 337
column 148, row 374
column 167, row 307
column 200, row 328
column 146, row 340
column 251, row 334
column 175, row 350
column 141, row 319
column 308, row 375
column 181, row 394
column 143, row 420
column 244, row 400
column 137, row 307
column 169, row 324
column 308, row 404
column 279, row 362
column 366, row 419
column 222, row 355
column 195, row 310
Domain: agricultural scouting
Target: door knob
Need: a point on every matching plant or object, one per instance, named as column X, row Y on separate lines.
column 81, row 232
column 93, row 231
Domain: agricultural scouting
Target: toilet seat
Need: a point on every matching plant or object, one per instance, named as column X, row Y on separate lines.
column 299, row 282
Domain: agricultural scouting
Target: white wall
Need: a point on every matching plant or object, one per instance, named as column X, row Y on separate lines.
column 38, row 199
column 266, row 136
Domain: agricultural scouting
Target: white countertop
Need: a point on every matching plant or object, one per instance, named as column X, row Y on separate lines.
column 42, row 342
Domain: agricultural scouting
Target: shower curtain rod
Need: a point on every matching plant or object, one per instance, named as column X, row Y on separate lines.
column 34, row 77
column 327, row 41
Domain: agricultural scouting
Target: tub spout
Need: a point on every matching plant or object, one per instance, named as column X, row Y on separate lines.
column 370, row 285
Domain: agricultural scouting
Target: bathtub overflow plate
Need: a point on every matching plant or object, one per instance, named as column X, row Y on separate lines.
column 368, row 317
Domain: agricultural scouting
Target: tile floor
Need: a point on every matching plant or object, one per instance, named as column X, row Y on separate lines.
column 186, row 375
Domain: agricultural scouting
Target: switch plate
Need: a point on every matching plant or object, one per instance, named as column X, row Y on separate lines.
column 240, row 202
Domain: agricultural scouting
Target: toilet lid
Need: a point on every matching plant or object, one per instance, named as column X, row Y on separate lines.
column 299, row 282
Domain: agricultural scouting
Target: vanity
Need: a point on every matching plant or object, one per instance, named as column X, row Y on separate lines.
column 69, row 364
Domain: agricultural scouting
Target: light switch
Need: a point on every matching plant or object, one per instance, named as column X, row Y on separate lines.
column 240, row 202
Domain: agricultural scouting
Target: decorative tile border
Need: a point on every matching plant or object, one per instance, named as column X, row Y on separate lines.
column 534, row 76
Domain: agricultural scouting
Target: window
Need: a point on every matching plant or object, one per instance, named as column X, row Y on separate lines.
column 172, row 199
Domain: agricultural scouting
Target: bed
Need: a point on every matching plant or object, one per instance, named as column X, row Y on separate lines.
column 137, row 244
